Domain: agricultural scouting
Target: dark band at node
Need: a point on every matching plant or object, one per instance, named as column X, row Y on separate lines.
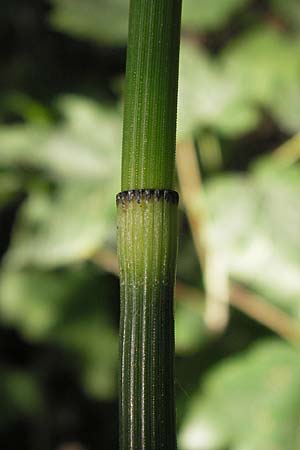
column 138, row 195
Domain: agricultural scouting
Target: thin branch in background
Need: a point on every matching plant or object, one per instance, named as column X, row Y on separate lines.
column 289, row 152
column 254, row 306
column 215, row 274
column 191, row 193
column 265, row 313
column 107, row 260
column 216, row 303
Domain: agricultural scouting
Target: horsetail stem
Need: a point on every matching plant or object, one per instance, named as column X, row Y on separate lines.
column 149, row 134
column 147, row 228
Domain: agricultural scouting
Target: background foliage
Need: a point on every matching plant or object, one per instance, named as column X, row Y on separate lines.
column 61, row 83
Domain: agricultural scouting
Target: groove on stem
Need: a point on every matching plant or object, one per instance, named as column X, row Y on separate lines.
column 147, row 243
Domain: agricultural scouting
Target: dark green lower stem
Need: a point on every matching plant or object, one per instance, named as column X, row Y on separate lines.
column 147, row 245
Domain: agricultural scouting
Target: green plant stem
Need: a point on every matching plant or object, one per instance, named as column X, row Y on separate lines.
column 147, row 228
column 147, row 242
column 148, row 159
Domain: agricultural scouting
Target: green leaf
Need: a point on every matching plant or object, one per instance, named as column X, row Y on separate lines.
column 85, row 146
column 20, row 395
column 254, row 228
column 263, row 61
column 10, row 186
column 209, row 14
column 21, row 146
column 88, row 144
column 82, row 155
column 250, row 402
column 34, row 301
column 94, row 341
column 105, row 21
column 190, row 330
column 209, row 96
column 22, row 105
column 66, row 226
column 71, row 308
column 285, row 107
column 225, row 93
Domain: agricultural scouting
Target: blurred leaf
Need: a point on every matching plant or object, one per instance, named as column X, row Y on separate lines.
column 190, row 329
column 86, row 145
column 21, row 145
column 211, row 97
column 263, row 61
column 24, row 106
column 250, row 402
column 19, row 395
column 95, row 342
column 285, row 107
column 62, row 227
column 289, row 10
column 9, row 186
column 71, row 308
column 254, row 228
column 34, row 301
column 209, row 14
column 226, row 93
column 104, row 21
column 71, row 223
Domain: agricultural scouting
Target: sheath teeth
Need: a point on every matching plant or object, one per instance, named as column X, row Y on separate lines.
column 139, row 195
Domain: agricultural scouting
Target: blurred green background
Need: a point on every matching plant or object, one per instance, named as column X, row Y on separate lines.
column 238, row 294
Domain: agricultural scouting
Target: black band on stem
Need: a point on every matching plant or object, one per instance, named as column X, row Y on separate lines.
column 138, row 195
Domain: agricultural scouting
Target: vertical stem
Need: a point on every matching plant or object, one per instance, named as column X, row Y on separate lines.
column 147, row 243
column 149, row 135
column 147, row 228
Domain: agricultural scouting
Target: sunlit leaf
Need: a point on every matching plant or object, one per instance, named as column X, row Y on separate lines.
column 285, row 107
column 104, row 21
column 263, row 61
column 107, row 21
column 85, row 145
column 209, row 14
column 209, row 96
column 253, row 227
column 83, row 155
column 250, row 402
column 62, row 227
